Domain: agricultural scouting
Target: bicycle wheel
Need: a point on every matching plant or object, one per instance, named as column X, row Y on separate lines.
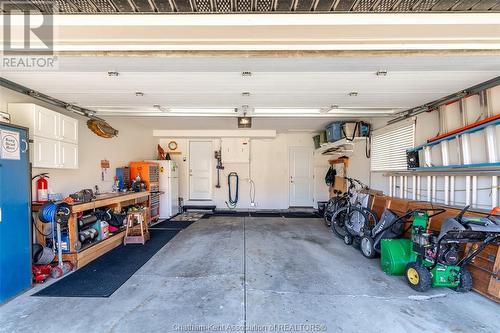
column 329, row 212
column 372, row 220
column 338, row 222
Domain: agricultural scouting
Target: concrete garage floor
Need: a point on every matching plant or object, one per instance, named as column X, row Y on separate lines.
column 265, row 271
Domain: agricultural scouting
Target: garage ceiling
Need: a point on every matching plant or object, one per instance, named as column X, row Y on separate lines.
column 259, row 6
column 275, row 82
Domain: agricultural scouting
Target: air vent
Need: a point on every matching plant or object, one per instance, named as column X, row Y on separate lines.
column 425, row 5
column 65, row 6
column 203, row 6
column 365, row 5
column 385, row 5
column 85, row 6
column 105, row 6
column 224, row 6
column 244, row 5
column 264, row 5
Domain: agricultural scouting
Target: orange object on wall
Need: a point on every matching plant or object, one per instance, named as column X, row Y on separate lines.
column 149, row 173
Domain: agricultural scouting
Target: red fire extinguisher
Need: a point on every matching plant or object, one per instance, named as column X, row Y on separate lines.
column 42, row 187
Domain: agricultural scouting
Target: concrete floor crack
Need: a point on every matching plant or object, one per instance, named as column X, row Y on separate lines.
column 384, row 298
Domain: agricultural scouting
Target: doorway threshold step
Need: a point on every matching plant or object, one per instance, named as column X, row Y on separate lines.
column 200, row 207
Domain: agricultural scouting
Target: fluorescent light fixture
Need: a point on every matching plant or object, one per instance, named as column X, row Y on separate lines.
column 354, row 110
column 286, row 111
column 203, row 111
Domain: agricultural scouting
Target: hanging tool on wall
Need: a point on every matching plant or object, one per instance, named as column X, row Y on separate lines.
column 232, row 201
column 219, row 167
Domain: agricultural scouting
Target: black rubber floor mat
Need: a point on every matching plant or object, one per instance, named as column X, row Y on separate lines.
column 169, row 224
column 300, row 215
column 103, row 276
column 230, row 213
column 265, row 214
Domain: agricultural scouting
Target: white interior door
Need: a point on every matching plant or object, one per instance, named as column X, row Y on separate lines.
column 200, row 170
column 301, row 176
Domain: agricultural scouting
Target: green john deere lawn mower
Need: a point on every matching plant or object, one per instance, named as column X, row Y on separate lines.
column 433, row 260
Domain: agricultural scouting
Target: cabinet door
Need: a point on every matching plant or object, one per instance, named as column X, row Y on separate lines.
column 68, row 155
column 46, row 123
column 68, row 129
column 45, row 153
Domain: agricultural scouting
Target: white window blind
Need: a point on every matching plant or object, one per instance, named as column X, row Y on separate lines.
column 389, row 147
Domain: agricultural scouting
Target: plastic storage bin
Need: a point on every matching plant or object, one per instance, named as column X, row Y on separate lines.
column 334, row 131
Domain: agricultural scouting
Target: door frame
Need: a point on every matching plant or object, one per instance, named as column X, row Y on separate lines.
column 311, row 168
column 210, row 178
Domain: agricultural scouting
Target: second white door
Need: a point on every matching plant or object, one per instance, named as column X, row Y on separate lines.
column 200, row 170
column 301, row 176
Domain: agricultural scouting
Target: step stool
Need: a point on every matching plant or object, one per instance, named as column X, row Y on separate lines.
column 137, row 230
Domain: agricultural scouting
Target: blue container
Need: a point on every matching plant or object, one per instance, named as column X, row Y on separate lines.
column 334, row 131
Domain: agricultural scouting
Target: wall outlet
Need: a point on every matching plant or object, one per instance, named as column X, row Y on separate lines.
column 253, row 204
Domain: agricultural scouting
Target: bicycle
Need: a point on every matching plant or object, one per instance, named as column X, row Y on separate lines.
column 353, row 219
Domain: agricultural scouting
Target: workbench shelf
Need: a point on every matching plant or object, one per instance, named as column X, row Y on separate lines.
column 88, row 252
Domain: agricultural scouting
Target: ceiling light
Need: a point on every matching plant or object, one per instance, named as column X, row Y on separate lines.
column 286, row 111
column 246, row 73
column 113, row 73
column 205, row 111
column 245, row 94
column 381, row 72
column 353, row 93
column 139, row 93
column 244, row 122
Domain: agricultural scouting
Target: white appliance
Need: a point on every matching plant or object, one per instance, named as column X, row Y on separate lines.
column 169, row 186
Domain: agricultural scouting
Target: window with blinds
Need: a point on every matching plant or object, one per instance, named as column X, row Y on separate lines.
column 389, row 147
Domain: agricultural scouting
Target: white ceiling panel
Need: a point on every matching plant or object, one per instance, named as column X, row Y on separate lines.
column 314, row 82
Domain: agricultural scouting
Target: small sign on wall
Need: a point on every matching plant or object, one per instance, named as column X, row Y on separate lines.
column 104, row 164
column 10, row 149
column 105, row 177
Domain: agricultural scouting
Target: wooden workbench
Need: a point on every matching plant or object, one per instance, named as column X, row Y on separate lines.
column 81, row 257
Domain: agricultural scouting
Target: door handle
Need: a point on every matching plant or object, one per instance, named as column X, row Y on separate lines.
column 25, row 146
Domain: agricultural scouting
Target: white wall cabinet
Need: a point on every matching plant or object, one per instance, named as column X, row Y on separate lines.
column 68, row 129
column 54, row 135
column 68, row 155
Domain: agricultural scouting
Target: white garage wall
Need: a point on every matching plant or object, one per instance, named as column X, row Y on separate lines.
column 133, row 143
column 268, row 168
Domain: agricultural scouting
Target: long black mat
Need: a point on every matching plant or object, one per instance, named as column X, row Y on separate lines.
column 169, row 224
column 103, row 276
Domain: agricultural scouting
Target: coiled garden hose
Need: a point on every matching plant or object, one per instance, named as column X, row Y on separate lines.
column 232, row 202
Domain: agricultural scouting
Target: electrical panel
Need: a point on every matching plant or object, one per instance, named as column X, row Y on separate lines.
column 235, row 150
